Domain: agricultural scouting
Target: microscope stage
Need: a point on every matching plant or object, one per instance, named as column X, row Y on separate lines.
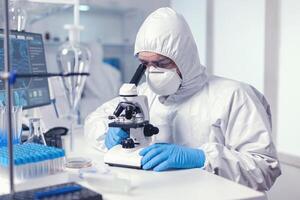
column 118, row 156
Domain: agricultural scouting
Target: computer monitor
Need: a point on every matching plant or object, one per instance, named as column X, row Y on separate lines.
column 27, row 56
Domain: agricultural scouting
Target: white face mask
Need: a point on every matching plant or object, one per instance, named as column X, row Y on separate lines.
column 163, row 81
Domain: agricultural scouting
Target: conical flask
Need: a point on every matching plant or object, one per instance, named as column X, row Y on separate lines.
column 18, row 14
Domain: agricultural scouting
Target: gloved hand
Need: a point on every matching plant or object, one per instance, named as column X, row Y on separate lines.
column 114, row 136
column 160, row 157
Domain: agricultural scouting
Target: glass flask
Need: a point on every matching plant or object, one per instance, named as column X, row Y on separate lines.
column 36, row 134
column 17, row 15
column 73, row 57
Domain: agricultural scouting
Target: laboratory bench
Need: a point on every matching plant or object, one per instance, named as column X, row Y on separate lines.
column 175, row 184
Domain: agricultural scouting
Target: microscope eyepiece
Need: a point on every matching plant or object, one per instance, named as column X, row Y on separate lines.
column 138, row 74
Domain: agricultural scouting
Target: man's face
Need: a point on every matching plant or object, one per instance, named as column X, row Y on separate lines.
column 157, row 60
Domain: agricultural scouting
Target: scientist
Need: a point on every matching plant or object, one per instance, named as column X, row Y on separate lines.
column 209, row 122
column 103, row 83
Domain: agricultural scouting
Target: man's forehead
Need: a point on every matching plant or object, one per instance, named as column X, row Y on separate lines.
column 150, row 56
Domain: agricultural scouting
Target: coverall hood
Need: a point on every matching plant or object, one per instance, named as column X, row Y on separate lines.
column 167, row 33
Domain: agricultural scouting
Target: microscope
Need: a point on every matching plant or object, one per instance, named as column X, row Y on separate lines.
column 131, row 115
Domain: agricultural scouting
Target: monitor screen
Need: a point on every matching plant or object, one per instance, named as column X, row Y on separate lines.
column 27, row 55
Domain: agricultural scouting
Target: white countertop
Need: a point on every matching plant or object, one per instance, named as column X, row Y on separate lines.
column 177, row 184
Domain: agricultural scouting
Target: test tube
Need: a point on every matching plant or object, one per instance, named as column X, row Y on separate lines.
column 33, row 160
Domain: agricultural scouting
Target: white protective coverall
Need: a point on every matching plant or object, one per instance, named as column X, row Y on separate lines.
column 230, row 121
column 103, row 83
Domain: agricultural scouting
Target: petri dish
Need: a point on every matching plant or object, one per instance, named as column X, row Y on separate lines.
column 78, row 162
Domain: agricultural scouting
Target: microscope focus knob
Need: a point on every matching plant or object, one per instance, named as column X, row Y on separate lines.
column 150, row 130
column 128, row 143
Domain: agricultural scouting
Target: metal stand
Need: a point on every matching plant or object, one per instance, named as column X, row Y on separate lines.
column 8, row 96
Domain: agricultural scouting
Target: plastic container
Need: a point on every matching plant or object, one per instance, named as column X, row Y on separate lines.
column 32, row 160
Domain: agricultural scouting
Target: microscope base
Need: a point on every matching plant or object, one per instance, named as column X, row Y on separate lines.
column 120, row 157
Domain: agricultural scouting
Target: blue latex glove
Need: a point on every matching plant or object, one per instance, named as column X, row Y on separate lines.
column 160, row 157
column 114, row 136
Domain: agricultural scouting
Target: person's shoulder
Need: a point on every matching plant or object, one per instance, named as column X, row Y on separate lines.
column 227, row 84
column 229, row 89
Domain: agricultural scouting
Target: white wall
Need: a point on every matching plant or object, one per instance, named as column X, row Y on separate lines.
column 289, row 82
column 288, row 136
column 238, row 46
column 195, row 16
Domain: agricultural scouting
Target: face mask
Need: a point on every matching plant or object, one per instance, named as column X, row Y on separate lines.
column 163, row 81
